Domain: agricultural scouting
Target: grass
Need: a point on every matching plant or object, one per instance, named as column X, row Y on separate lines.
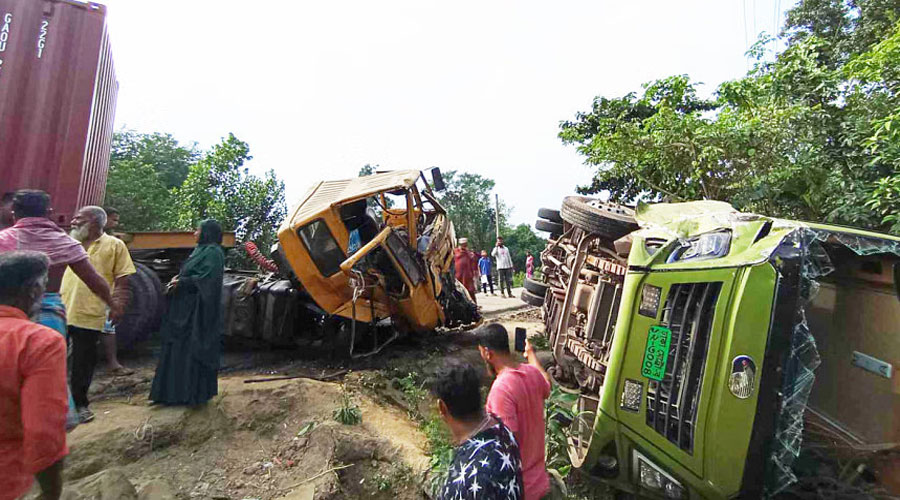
column 398, row 474
column 539, row 342
column 348, row 413
column 558, row 407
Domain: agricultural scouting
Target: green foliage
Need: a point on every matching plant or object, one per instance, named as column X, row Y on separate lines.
column 811, row 135
column 521, row 239
column 470, row 204
column 157, row 184
column 558, row 405
column 169, row 159
column 137, row 192
column 539, row 342
column 440, row 451
column 348, row 413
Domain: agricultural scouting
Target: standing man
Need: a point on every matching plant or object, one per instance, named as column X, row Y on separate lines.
column 6, row 211
column 108, row 339
column 112, row 219
column 486, row 462
column 504, row 266
column 86, row 313
column 33, row 396
column 35, row 231
column 517, row 397
column 484, row 267
column 466, row 267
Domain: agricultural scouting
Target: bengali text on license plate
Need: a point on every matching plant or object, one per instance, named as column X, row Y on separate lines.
column 657, row 352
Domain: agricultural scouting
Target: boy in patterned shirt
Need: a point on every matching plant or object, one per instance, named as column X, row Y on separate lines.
column 486, row 462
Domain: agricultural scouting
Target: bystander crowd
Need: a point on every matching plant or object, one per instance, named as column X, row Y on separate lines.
column 486, row 462
column 466, row 267
column 33, row 230
column 484, row 268
column 504, row 266
column 192, row 331
column 33, row 399
column 86, row 313
column 517, row 396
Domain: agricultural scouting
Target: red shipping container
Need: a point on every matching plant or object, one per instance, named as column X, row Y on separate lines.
column 57, row 101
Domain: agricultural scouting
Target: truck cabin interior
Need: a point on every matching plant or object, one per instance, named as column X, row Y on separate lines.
column 853, row 408
column 363, row 225
column 854, row 318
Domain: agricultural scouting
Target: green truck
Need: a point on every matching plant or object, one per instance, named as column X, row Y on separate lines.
column 720, row 354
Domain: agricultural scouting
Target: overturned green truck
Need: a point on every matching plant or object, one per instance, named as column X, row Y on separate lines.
column 719, row 354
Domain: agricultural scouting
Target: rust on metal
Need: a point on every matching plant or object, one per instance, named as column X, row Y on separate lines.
column 157, row 240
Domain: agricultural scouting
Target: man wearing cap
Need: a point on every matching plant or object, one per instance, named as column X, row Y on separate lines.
column 466, row 266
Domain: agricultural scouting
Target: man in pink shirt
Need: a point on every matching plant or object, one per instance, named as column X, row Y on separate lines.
column 33, row 397
column 517, row 397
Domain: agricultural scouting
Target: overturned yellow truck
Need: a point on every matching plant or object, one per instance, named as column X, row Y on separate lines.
column 359, row 262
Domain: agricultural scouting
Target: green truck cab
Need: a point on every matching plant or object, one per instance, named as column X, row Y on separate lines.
column 719, row 354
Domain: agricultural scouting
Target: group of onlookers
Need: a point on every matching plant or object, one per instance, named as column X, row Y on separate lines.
column 58, row 288
column 470, row 269
column 500, row 443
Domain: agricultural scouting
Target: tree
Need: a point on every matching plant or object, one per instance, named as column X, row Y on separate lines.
column 220, row 187
column 169, row 159
column 804, row 136
column 469, row 205
column 136, row 191
column 521, row 239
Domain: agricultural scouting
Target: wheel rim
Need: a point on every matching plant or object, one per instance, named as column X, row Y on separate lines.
column 582, row 434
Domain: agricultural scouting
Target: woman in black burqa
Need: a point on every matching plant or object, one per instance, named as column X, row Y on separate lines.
column 192, row 330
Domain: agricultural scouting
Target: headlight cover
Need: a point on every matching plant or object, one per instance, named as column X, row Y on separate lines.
column 652, row 478
column 704, row 247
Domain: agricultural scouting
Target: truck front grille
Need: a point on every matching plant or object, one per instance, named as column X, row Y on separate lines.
column 672, row 403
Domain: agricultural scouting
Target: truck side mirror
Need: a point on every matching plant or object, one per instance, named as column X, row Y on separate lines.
column 437, row 179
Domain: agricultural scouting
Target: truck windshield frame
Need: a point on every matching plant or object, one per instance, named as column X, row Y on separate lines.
column 323, row 249
column 405, row 258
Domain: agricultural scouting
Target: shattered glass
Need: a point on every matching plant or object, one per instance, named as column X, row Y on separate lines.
column 799, row 369
column 799, row 240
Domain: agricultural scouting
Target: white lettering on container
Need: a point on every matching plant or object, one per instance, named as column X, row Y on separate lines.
column 4, row 31
column 42, row 37
column 4, row 34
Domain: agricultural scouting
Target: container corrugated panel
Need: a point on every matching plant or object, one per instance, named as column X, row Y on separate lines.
column 57, row 100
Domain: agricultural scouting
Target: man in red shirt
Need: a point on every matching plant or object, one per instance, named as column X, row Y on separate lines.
column 33, row 397
column 466, row 265
column 517, row 397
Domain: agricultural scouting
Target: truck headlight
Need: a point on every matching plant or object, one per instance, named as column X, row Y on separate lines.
column 704, row 247
column 652, row 478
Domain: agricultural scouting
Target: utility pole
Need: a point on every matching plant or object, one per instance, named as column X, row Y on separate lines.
column 497, row 213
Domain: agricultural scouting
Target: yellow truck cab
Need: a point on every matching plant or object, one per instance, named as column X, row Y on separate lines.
column 375, row 248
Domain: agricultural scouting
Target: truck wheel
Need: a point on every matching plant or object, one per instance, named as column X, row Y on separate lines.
column 531, row 299
column 550, row 214
column 554, row 228
column 608, row 220
column 536, row 287
column 142, row 316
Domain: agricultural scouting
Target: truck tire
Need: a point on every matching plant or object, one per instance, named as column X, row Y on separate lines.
column 554, row 228
column 531, row 299
column 607, row 220
column 144, row 313
column 550, row 214
column 536, row 287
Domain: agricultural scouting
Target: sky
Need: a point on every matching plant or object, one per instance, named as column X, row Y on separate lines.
column 318, row 89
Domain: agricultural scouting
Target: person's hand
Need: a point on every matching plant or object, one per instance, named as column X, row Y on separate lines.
column 172, row 285
column 116, row 311
column 529, row 351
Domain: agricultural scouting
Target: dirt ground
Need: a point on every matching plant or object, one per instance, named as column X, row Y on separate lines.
column 272, row 439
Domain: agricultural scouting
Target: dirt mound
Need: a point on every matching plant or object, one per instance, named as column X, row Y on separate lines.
column 262, row 441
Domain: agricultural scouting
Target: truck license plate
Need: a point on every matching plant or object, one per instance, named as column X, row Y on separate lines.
column 657, row 352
